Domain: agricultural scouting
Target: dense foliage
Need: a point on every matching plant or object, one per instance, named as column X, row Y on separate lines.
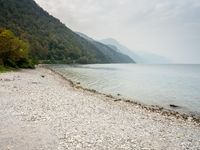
column 13, row 51
column 49, row 39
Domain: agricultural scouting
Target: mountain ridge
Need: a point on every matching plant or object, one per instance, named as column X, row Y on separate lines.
column 140, row 57
column 106, row 49
column 50, row 40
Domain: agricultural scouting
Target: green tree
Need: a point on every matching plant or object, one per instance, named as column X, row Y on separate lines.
column 13, row 51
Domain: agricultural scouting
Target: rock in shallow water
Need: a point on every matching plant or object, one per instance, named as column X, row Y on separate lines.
column 174, row 106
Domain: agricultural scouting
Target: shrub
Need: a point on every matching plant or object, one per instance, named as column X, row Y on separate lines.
column 13, row 51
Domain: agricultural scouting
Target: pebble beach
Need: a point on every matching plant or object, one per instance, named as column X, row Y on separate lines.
column 40, row 110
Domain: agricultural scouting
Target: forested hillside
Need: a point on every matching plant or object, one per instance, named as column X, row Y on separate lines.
column 112, row 52
column 50, row 41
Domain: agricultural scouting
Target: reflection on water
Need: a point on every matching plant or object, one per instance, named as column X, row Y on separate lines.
column 150, row 84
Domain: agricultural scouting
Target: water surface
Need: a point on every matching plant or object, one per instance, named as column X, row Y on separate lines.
column 150, row 84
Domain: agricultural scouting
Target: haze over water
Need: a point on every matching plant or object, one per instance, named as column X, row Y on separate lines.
column 150, row 84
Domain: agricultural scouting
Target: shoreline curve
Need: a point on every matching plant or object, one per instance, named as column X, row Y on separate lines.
column 153, row 108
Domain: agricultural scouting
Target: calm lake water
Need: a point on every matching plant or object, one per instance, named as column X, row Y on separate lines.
column 150, row 84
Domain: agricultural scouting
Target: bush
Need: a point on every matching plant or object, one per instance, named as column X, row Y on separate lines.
column 13, row 51
column 83, row 60
column 4, row 69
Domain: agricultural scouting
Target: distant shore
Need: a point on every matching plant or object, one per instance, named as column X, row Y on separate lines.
column 40, row 109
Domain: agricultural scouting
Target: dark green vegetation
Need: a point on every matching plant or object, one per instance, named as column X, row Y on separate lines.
column 49, row 40
column 115, row 55
column 4, row 69
column 13, row 51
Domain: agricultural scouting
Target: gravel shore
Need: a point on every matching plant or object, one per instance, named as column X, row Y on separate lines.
column 40, row 110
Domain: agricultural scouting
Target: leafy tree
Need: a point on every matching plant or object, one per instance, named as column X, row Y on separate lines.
column 13, row 51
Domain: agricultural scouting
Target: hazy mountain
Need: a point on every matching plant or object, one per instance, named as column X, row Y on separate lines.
column 49, row 39
column 139, row 57
column 85, row 36
column 121, row 48
column 110, row 51
column 151, row 58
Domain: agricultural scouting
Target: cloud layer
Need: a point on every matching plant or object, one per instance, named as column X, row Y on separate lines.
column 170, row 28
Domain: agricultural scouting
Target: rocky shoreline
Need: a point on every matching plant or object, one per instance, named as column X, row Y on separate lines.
column 154, row 108
column 40, row 109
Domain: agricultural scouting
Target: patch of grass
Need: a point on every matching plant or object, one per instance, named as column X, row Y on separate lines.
column 4, row 69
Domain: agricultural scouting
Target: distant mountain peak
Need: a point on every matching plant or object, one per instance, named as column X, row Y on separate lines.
column 107, row 49
column 139, row 57
column 110, row 41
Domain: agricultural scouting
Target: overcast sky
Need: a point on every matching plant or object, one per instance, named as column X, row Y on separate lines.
column 169, row 28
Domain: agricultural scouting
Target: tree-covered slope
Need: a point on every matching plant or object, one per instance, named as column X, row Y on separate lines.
column 49, row 39
column 111, row 52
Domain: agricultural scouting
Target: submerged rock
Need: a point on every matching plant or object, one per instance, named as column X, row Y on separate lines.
column 174, row 106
